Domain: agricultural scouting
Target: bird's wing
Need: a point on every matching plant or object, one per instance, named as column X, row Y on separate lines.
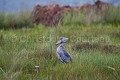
column 66, row 54
column 61, row 56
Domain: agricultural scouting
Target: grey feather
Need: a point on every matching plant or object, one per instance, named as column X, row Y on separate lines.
column 62, row 55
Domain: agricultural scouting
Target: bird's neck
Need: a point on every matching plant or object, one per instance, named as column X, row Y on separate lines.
column 61, row 46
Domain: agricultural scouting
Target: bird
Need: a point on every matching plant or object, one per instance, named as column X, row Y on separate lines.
column 62, row 55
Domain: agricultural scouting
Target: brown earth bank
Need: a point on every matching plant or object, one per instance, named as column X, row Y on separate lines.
column 53, row 14
column 105, row 47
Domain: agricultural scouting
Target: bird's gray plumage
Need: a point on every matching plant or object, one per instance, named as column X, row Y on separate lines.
column 62, row 55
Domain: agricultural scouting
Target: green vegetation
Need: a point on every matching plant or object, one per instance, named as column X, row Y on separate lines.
column 15, row 20
column 24, row 48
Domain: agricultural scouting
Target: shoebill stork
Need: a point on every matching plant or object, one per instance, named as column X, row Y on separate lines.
column 62, row 55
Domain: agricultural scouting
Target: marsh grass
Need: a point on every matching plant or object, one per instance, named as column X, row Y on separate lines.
column 24, row 48
column 15, row 20
column 107, row 16
column 23, row 18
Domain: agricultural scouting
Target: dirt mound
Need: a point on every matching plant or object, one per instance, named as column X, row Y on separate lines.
column 48, row 15
column 53, row 14
column 95, row 46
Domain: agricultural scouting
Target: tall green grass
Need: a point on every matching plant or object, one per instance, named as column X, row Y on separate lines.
column 23, row 18
column 15, row 20
column 23, row 49
column 109, row 15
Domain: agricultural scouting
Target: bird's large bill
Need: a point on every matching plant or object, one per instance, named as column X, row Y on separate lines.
column 58, row 42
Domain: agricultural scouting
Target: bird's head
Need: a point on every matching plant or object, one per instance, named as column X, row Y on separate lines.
column 62, row 40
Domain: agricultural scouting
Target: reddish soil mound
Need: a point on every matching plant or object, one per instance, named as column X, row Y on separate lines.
column 48, row 15
column 53, row 14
